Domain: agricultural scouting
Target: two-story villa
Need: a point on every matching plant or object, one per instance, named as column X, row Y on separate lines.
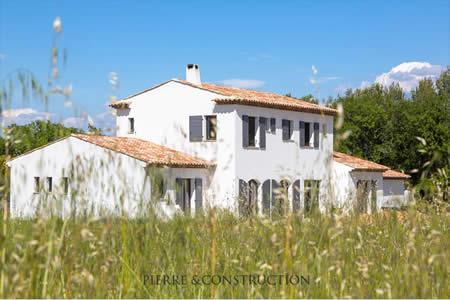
column 192, row 145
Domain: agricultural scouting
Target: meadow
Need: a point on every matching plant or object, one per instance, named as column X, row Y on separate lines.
column 386, row 255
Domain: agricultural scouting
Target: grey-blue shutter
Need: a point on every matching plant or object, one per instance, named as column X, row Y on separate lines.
column 178, row 191
column 195, row 128
column 244, row 131
column 302, row 134
column 262, row 132
column 266, row 197
column 285, row 127
column 296, row 196
column 198, row 194
column 316, row 135
column 272, row 125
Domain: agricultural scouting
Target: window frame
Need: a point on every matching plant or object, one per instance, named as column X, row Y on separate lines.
column 65, row 183
column 311, row 187
column 131, row 125
column 309, row 136
column 254, row 133
column 272, row 126
column 49, row 184
column 208, row 127
column 290, row 130
column 37, row 185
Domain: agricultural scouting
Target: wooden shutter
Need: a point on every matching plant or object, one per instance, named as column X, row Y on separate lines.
column 244, row 131
column 262, row 132
column 316, row 135
column 266, row 197
column 296, row 196
column 195, row 128
column 302, row 134
column 178, row 191
column 198, row 194
column 273, row 125
column 285, row 126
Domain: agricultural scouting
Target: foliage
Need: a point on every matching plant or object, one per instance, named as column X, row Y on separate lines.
column 33, row 135
column 308, row 98
column 385, row 124
column 398, row 256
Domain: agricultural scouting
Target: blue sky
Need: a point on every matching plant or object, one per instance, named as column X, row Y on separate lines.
column 266, row 45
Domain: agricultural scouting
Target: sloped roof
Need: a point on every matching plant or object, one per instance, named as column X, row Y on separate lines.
column 391, row 174
column 231, row 95
column 146, row 151
column 358, row 164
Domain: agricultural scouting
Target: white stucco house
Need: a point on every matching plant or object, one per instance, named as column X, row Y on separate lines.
column 209, row 146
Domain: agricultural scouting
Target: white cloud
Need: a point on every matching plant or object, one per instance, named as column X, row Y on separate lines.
column 105, row 121
column 22, row 116
column 243, row 83
column 342, row 88
column 408, row 74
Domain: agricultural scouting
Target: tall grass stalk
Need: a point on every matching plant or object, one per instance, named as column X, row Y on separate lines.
column 381, row 256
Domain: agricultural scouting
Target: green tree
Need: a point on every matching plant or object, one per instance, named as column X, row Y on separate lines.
column 384, row 125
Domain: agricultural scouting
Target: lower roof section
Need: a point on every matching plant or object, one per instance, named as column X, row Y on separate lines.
column 359, row 164
column 146, row 151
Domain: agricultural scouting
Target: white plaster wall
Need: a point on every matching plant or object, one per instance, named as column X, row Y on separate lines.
column 394, row 193
column 284, row 159
column 104, row 181
column 343, row 188
column 162, row 116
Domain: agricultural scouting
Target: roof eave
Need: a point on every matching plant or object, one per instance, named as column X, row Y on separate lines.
column 230, row 101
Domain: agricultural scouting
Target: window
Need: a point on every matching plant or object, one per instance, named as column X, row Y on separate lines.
column 324, row 130
column 37, row 186
column 248, row 197
column 311, row 195
column 272, row 125
column 287, row 129
column 130, row 125
column 65, row 182
column 252, row 131
column 211, row 128
column 49, row 184
column 307, row 134
column 197, row 128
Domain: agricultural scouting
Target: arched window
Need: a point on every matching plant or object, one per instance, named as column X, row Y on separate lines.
column 253, row 196
column 266, row 196
column 248, row 197
column 296, row 196
column 282, row 197
column 275, row 197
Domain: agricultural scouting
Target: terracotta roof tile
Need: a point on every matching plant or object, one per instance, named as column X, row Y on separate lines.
column 357, row 163
column 146, row 151
column 231, row 95
column 391, row 174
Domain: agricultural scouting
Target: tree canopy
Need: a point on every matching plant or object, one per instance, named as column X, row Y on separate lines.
column 389, row 128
